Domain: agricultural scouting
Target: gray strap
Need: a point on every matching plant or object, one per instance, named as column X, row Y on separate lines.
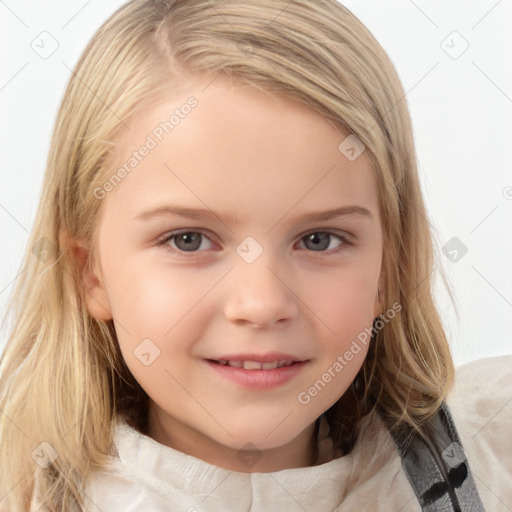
column 437, row 468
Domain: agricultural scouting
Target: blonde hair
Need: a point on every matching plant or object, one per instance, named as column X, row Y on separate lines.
column 63, row 379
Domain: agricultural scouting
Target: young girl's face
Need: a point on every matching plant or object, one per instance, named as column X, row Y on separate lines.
column 220, row 243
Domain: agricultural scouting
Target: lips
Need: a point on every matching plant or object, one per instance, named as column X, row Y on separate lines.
column 269, row 361
column 256, row 365
column 258, row 373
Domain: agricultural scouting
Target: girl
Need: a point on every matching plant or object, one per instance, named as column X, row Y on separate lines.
column 227, row 304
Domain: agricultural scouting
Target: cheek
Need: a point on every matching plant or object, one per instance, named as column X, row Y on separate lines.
column 345, row 301
column 159, row 315
column 345, row 305
column 151, row 302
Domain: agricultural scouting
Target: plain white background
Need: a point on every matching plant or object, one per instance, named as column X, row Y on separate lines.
column 454, row 60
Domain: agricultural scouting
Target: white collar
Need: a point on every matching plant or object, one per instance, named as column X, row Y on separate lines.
column 168, row 472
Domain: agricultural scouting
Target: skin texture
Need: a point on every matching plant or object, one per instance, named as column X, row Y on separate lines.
column 264, row 161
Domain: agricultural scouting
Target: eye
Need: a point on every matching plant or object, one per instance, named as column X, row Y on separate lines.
column 194, row 241
column 320, row 241
column 185, row 241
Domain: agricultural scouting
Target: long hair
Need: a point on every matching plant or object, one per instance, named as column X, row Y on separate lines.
column 63, row 381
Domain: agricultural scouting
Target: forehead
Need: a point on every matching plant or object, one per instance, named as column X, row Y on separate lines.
column 232, row 146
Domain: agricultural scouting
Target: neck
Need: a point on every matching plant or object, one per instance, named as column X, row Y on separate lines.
column 299, row 452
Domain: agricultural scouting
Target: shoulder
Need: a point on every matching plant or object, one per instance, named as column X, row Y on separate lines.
column 481, row 405
column 487, row 371
column 482, row 392
column 481, row 398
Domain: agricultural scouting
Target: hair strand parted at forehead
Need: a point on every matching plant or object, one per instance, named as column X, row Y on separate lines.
column 314, row 52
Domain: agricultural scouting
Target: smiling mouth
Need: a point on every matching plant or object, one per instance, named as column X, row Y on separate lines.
column 255, row 365
column 257, row 375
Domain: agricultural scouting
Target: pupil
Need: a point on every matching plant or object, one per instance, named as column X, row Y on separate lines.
column 192, row 241
column 320, row 240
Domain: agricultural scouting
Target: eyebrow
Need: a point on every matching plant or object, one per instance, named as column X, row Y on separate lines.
column 206, row 214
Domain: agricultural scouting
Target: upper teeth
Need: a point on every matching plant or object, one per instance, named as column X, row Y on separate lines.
column 256, row 365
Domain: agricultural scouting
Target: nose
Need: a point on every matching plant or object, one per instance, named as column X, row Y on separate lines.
column 259, row 296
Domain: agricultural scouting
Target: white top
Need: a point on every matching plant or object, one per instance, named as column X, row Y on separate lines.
column 151, row 477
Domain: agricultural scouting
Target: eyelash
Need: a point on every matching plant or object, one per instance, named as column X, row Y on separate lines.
column 170, row 236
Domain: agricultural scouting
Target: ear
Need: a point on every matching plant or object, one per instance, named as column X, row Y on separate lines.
column 379, row 295
column 96, row 297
